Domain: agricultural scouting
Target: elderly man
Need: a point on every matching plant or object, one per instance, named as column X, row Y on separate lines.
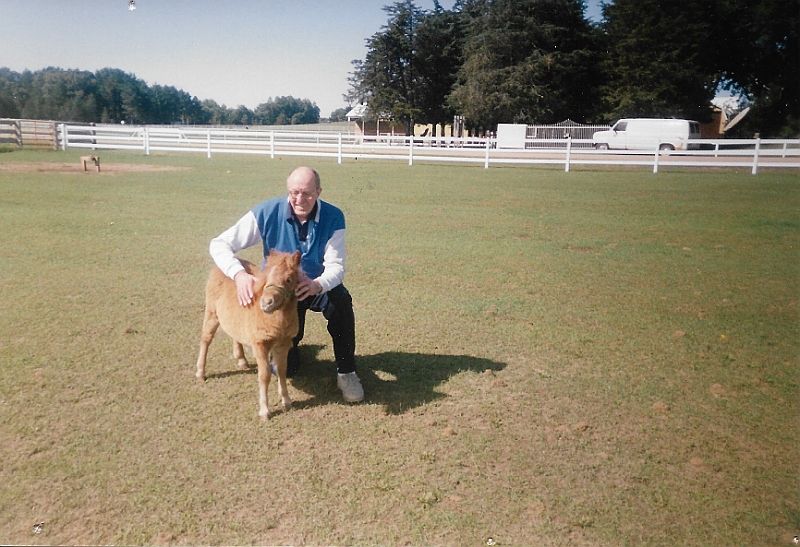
column 316, row 228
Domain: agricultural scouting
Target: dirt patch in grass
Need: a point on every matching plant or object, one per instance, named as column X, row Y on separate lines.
column 105, row 168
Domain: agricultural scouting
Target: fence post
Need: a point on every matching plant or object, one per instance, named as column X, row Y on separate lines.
column 755, row 156
column 208, row 141
column 658, row 153
column 411, row 149
column 272, row 145
column 63, row 137
column 146, row 141
column 488, row 146
column 340, row 146
column 569, row 150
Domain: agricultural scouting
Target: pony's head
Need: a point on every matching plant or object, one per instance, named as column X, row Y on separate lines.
column 282, row 274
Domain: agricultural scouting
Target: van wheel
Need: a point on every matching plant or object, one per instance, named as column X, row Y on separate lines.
column 666, row 149
column 601, row 146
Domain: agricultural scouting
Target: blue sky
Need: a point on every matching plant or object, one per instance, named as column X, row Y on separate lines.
column 232, row 51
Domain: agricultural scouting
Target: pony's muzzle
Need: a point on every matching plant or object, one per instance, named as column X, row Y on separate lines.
column 273, row 298
column 269, row 304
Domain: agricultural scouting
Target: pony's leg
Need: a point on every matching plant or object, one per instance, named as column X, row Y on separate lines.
column 210, row 326
column 262, row 358
column 280, row 353
column 238, row 354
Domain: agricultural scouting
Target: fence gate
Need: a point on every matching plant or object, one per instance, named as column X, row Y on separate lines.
column 37, row 134
column 565, row 129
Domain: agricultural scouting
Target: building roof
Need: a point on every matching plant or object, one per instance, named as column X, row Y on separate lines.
column 358, row 111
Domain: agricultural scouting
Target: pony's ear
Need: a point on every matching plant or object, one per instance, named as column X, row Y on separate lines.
column 271, row 252
column 296, row 257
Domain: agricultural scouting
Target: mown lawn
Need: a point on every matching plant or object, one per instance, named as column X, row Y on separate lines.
column 600, row 357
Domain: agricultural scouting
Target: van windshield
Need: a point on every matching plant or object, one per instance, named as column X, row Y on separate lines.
column 621, row 126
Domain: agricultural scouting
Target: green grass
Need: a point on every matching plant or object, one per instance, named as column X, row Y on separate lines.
column 600, row 357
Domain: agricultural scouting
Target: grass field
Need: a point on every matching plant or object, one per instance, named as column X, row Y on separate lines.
column 602, row 357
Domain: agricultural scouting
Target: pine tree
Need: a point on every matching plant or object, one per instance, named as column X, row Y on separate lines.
column 526, row 61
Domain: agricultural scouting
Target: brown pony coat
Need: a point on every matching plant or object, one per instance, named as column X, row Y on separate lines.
column 268, row 324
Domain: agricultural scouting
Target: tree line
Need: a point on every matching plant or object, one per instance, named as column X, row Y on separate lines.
column 113, row 96
column 542, row 61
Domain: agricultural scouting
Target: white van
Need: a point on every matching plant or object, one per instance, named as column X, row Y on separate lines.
column 647, row 134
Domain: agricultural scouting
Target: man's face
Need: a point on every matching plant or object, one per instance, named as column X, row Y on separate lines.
column 303, row 194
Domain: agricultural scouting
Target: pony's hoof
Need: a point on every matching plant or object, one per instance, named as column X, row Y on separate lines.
column 264, row 417
column 287, row 404
column 200, row 377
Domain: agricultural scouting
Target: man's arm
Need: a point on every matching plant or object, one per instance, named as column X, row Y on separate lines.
column 223, row 249
column 333, row 269
column 333, row 262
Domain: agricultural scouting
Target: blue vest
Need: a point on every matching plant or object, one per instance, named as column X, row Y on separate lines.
column 280, row 231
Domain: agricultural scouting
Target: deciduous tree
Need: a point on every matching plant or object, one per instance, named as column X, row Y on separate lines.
column 286, row 111
column 760, row 57
column 670, row 59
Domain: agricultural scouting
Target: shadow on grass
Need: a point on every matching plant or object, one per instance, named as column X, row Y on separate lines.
column 234, row 372
column 399, row 381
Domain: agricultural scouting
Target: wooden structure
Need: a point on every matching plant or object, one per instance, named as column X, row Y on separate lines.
column 37, row 134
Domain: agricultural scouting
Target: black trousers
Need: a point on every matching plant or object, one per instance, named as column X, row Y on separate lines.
column 336, row 306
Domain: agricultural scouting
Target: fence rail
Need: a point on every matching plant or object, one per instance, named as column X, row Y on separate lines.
column 753, row 154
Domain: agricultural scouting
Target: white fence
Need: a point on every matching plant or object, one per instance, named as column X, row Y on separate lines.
column 753, row 154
